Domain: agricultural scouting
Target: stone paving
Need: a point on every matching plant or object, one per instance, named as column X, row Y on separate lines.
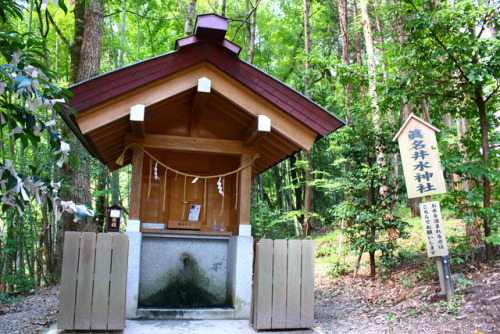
column 189, row 327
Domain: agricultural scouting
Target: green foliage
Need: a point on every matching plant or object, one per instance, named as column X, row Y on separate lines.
column 27, row 95
column 429, row 272
column 371, row 194
column 270, row 223
column 451, row 59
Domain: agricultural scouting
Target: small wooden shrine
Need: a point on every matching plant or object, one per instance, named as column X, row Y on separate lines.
column 197, row 125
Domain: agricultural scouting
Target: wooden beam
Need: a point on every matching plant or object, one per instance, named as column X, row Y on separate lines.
column 137, row 120
column 113, row 109
column 189, row 144
column 200, row 100
column 259, row 127
column 134, row 209
column 244, row 191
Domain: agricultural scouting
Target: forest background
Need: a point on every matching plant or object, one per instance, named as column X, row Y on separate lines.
column 371, row 63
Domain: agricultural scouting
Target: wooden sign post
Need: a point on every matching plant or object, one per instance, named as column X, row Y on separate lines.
column 424, row 177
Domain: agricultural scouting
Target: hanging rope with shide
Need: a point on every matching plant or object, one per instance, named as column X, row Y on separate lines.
column 121, row 158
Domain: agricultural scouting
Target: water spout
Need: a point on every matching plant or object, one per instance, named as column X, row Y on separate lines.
column 186, row 272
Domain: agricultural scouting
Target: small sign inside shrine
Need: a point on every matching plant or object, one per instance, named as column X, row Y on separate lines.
column 114, row 218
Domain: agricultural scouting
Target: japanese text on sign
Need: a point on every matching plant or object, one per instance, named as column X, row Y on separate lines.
column 419, row 155
column 432, row 222
column 421, row 165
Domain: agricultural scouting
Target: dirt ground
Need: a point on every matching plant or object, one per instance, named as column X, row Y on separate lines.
column 30, row 313
column 360, row 305
column 365, row 305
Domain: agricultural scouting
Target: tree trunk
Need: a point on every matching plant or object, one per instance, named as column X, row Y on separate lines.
column 90, row 61
column 342, row 5
column 296, row 179
column 370, row 53
column 89, row 25
column 308, row 188
column 359, row 60
column 251, row 31
column 308, row 195
column 76, row 46
column 381, row 41
column 373, row 266
column 223, row 10
column 122, row 31
column 397, row 30
column 138, row 33
column 455, row 178
column 191, row 9
column 101, row 200
column 481, row 105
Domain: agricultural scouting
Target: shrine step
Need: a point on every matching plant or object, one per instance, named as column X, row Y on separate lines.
column 186, row 314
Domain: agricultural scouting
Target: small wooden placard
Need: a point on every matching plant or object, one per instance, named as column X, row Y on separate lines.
column 184, row 224
column 153, row 226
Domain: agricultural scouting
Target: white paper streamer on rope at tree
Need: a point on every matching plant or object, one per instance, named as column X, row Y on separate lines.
column 33, row 106
column 44, row 4
column 50, row 123
column 55, row 3
column 15, row 58
column 81, row 211
column 54, row 101
column 2, row 88
column 8, row 196
column 18, row 129
column 64, row 150
column 37, row 129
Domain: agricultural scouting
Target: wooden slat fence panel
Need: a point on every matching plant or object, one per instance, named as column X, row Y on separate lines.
column 279, row 284
column 93, row 281
column 69, row 272
column 116, row 317
column 307, row 285
column 283, row 295
column 293, row 286
column 101, row 281
column 264, row 284
column 83, row 307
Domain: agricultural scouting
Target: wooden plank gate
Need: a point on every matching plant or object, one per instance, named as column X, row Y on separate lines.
column 283, row 285
column 93, row 281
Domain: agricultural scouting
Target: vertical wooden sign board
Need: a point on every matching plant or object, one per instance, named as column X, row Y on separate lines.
column 424, row 177
column 419, row 155
column 432, row 223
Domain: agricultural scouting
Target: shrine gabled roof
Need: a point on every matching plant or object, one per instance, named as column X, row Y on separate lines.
column 207, row 45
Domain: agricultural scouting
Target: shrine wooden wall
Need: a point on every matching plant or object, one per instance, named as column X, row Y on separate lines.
column 158, row 208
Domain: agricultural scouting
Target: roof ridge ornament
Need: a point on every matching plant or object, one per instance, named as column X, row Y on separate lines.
column 212, row 28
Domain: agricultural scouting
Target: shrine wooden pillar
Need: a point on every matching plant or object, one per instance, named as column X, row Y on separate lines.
column 244, row 194
column 136, row 184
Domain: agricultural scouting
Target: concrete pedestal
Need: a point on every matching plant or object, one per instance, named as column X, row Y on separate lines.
column 240, row 271
column 133, row 273
column 237, row 274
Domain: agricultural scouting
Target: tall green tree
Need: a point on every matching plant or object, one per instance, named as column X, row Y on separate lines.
column 456, row 62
